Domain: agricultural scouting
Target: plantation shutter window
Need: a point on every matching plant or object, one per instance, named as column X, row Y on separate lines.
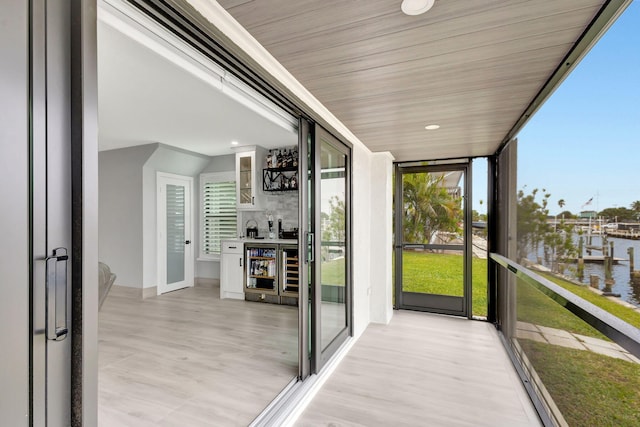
column 219, row 216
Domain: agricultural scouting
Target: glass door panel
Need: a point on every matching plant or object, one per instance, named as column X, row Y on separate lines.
column 431, row 221
column 175, row 233
column 175, row 253
column 331, row 309
column 246, row 191
column 333, row 229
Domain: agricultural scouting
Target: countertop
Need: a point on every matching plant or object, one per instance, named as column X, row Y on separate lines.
column 265, row 240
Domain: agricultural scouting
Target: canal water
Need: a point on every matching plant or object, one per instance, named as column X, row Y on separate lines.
column 623, row 286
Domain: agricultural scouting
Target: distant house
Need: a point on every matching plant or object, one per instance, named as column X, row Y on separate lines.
column 588, row 214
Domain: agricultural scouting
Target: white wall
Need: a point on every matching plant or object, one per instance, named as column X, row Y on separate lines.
column 361, row 237
column 381, row 237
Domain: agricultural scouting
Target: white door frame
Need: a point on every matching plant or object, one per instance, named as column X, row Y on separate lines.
column 162, row 179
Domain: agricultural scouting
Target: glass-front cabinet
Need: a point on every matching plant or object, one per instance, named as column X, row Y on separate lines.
column 249, row 178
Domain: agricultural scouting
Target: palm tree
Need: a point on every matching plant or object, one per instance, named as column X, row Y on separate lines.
column 428, row 207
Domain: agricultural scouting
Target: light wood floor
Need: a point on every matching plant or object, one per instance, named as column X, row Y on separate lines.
column 188, row 358
column 423, row 370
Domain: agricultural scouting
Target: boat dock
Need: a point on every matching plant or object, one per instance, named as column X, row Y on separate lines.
column 624, row 234
column 596, row 259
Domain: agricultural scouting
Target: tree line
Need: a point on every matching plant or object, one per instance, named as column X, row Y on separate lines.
column 555, row 238
column 619, row 214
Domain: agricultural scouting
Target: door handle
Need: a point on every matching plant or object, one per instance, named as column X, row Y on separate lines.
column 311, row 247
column 186, row 242
column 56, row 276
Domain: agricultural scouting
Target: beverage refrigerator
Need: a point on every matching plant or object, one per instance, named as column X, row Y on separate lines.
column 271, row 273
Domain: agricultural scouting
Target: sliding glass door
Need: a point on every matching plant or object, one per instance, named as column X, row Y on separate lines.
column 330, row 244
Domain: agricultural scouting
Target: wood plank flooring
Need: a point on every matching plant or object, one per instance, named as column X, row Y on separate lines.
column 188, row 358
column 423, row 370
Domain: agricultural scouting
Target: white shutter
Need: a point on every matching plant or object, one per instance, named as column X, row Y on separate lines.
column 219, row 219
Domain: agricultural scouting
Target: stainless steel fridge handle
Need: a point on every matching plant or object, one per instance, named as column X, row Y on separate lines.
column 56, row 275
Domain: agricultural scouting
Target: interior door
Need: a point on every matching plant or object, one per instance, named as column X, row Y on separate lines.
column 331, row 266
column 433, row 235
column 175, row 248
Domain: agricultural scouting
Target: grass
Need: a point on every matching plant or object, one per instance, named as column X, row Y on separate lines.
column 333, row 272
column 426, row 272
column 589, row 389
column 625, row 313
column 535, row 307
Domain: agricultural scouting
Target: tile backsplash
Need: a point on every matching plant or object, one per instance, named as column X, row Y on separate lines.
column 283, row 205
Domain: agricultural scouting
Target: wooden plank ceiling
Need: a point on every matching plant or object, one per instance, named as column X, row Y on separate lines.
column 470, row 66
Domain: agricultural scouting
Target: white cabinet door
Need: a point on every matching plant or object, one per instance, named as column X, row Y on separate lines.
column 231, row 271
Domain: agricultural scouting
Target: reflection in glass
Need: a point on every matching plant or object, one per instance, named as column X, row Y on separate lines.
column 333, row 243
column 588, row 379
column 175, row 233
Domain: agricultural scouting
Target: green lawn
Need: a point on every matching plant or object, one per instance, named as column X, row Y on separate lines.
column 442, row 274
column 589, row 389
column 628, row 315
column 426, row 272
column 333, row 272
column 535, row 307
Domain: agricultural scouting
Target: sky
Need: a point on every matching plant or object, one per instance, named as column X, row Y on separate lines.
column 584, row 142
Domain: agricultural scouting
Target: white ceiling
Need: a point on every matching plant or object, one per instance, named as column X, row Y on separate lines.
column 472, row 67
column 144, row 98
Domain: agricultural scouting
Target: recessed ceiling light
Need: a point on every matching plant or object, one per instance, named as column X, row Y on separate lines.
column 234, row 142
column 416, row 7
column 432, row 127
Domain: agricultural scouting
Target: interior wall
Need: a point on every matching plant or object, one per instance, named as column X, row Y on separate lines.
column 170, row 160
column 120, row 218
column 210, row 269
column 127, row 203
